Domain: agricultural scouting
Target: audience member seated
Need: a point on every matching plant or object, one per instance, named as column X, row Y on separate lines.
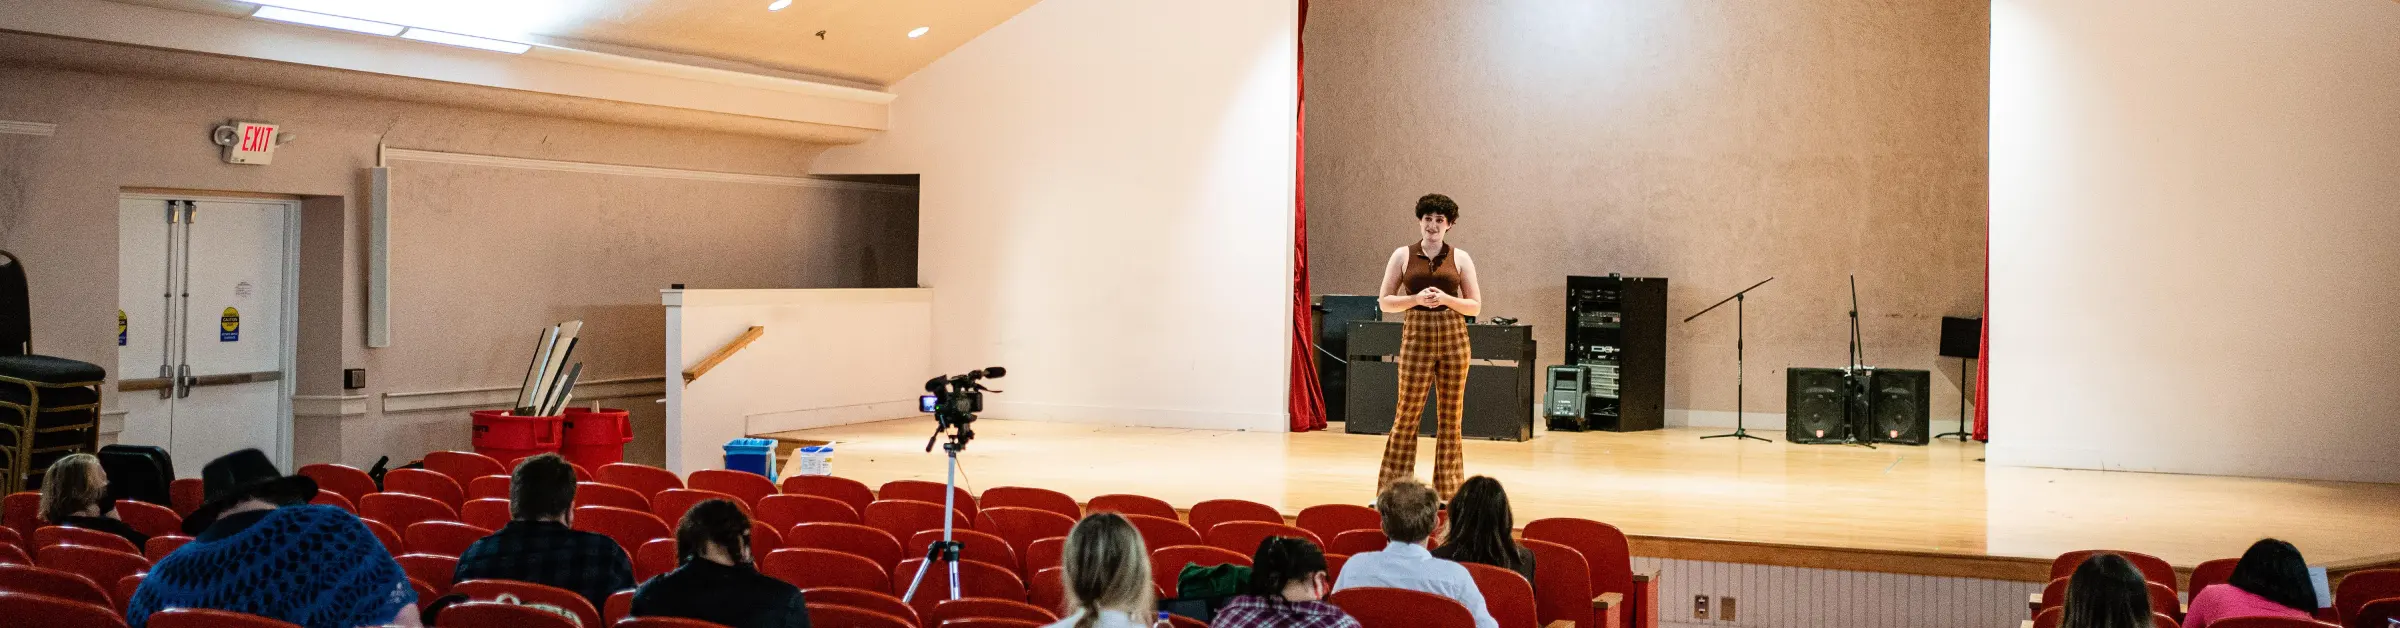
column 2106, row 591
column 1408, row 518
column 1287, row 582
column 1107, row 573
column 260, row 548
column 2271, row 580
column 716, row 581
column 538, row 547
column 75, row 494
column 1480, row 523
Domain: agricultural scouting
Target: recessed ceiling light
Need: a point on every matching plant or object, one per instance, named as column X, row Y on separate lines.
column 920, row 32
column 468, row 41
column 281, row 14
column 779, row 5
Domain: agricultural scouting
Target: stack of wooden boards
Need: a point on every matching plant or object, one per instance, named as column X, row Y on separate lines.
column 549, row 380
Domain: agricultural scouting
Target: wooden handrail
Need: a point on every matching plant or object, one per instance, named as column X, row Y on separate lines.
column 722, row 353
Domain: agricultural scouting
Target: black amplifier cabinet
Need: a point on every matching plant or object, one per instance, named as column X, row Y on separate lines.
column 1500, row 387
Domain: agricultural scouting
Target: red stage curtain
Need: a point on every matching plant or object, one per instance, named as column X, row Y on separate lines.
column 1307, row 399
column 1983, row 355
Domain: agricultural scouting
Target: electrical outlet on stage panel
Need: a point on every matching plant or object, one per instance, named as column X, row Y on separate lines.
column 1699, row 607
column 1725, row 609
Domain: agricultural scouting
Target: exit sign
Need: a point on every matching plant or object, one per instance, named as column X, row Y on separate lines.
column 248, row 142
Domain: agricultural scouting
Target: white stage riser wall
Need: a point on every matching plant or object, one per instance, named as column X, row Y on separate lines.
column 1795, row 597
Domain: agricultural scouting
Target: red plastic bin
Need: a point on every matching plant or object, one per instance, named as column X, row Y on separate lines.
column 596, row 437
column 507, row 437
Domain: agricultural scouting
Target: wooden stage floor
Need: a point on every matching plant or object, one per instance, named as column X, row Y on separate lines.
column 1669, row 483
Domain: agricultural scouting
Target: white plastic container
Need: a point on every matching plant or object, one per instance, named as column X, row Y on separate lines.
column 816, row 460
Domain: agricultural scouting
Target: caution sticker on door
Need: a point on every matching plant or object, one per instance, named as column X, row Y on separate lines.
column 230, row 326
column 120, row 328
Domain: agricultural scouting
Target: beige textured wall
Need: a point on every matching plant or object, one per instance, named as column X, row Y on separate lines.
column 1712, row 143
column 483, row 257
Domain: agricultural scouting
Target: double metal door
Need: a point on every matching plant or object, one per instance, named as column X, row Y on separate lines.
column 204, row 341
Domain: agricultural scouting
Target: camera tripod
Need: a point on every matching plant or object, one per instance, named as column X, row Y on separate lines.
column 947, row 549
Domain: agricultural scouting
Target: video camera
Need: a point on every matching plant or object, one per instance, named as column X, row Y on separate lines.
column 953, row 403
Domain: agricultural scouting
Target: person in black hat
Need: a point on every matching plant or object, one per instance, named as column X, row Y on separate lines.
column 260, row 548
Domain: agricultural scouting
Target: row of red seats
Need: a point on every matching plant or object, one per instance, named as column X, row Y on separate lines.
column 2368, row 598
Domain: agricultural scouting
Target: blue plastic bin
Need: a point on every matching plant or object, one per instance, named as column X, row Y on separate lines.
column 755, row 455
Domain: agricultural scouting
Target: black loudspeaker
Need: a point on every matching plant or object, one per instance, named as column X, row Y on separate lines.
column 1896, row 399
column 1333, row 314
column 1961, row 337
column 1814, row 405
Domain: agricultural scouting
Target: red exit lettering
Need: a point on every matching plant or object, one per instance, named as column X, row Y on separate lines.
column 255, row 138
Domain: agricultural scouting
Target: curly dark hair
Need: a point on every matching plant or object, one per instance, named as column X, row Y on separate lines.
column 1437, row 204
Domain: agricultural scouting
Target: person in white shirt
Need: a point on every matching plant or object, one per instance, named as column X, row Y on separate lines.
column 1107, row 575
column 1408, row 519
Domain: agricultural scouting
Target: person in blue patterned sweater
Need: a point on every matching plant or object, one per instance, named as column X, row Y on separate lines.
column 260, row 548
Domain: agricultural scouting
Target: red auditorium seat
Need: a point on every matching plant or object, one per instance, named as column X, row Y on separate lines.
column 500, row 615
column 838, row 615
column 53, row 535
column 905, row 518
column 1028, row 497
column 844, row 490
column 126, row 587
column 1333, row 566
column 97, row 564
column 352, row 483
column 160, row 546
column 785, row 511
column 665, row 622
column 619, row 605
column 870, row 599
column 205, row 618
column 597, row 494
column 1132, row 505
column 427, row 483
column 644, row 479
column 489, row 514
column 1377, row 607
column 985, row 608
column 1506, row 595
column 990, row 622
column 2048, row 618
column 1048, row 589
column 1051, row 552
column 630, row 528
column 2361, row 587
column 1162, row 531
column 1208, row 514
column 435, row 571
column 656, row 557
column 21, row 512
column 441, row 538
column 808, row 568
column 55, row 583
column 2153, row 568
column 764, row 538
column 873, row 544
column 2052, row 594
column 748, row 487
column 1563, row 588
column 980, row 547
column 401, row 510
column 386, row 535
column 1358, row 542
column 58, row 613
column 2209, row 573
column 1022, row 526
column 148, row 518
column 488, row 487
column 530, row 593
column 2163, row 601
column 1167, row 563
column 186, row 495
column 330, row 498
column 1328, row 520
column 670, row 504
column 1610, row 558
column 11, row 554
column 974, row 580
column 928, row 492
column 1244, row 536
column 461, row 466
column 2377, row 614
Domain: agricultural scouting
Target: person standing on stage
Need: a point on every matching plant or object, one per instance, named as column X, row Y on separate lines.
column 1434, row 283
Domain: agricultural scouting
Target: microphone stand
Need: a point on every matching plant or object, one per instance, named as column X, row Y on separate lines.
column 1739, row 432
column 1856, row 379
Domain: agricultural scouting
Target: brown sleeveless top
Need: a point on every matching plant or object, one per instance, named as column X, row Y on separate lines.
column 1439, row 271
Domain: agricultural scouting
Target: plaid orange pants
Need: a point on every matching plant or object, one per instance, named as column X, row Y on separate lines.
column 1433, row 356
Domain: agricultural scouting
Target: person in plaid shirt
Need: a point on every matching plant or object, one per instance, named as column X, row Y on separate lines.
column 1287, row 582
column 538, row 547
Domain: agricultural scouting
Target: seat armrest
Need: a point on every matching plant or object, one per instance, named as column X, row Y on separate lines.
column 1560, row 624
column 1608, row 601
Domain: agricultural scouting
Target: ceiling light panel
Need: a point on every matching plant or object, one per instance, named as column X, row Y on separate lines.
column 468, row 41
column 281, row 14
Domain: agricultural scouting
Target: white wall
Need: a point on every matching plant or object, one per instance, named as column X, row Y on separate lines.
column 2195, row 205
column 1107, row 208
column 827, row 357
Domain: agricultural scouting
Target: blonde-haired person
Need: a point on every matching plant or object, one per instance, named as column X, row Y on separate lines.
column 1107, row 575
column 75, row 494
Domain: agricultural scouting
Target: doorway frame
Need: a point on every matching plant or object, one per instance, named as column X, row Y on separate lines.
column 288, row 326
